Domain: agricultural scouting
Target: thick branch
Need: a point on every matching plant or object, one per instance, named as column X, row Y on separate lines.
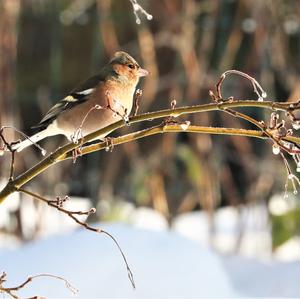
column 61, row 153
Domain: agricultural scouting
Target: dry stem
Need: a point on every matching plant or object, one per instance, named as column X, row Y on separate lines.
column 58, row 204
column 11, row 290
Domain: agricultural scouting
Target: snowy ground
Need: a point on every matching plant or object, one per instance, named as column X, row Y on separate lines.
column 167, row 263
column 253, row 278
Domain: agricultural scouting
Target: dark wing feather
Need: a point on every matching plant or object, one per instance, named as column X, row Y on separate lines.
column 77, row 96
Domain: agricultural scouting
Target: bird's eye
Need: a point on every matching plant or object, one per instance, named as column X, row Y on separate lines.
column 131, row 66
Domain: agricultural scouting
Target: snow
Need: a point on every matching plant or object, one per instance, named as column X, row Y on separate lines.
column 226, row 227
column 165, row 265
column 289, row 251
column 176, row 263
column 277, row 206
column 252, row 278
column 148, row 218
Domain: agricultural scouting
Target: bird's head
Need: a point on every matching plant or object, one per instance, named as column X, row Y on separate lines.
column 126, row 68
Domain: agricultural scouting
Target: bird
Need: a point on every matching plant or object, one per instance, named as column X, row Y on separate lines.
column 100, row 101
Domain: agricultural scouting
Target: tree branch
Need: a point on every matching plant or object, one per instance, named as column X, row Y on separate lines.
column 176, row 128
column 62, row 153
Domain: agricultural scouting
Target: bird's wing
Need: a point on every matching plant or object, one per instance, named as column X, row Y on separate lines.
column 77, row 96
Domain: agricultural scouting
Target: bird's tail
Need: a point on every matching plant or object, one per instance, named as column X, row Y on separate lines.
column 31, row 140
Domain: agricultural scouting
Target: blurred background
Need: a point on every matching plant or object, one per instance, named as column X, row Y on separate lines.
column 225, row 191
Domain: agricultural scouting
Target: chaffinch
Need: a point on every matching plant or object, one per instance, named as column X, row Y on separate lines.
column 100, row 101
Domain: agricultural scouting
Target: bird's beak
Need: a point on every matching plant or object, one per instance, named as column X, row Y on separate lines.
column 142, row 72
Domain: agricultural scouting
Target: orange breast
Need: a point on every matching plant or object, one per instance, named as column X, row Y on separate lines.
column 89, row 119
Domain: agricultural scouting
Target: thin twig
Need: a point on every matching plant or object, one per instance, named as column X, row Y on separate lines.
column 12, row 166
column 8, row 146
column 113, row 104
column 77, row 135
column 72, row 215
column 10, row 290
column 138, row 8
column 290, row 177
column 217, row 98
column 11, row 145
column 136, row 102
column 256, row 86
column 264, row 129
